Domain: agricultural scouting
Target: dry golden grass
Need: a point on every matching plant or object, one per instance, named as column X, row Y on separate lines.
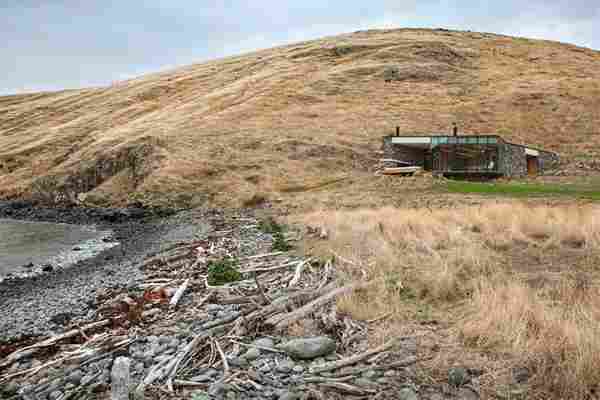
column 507, row 278
column 292, row 121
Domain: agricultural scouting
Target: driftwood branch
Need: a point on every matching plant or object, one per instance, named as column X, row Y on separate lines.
column 179, row 293
column 284, row 320
column 298, row 273
column 354, row 359
column 223, row 358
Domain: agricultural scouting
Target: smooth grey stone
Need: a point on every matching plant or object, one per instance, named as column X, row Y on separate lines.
column 139, row 367
column 10, row 389
column 309, row 348
column 55, row 395
column 287, row 395
column 458, row 376
column 285, row 366
column 252, row 354
column 213, row 308
column 264, row 342
column 238, row 361
column 232, row 395
column 75, row 377
column 364, row 382
column 218, row 389
column 173, row 343
column 265, row 368
column 298, row 369
column 407, row 394
column 371, row 374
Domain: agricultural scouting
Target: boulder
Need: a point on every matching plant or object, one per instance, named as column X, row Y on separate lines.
column 458, row 376
column 407, row 394
column 309, row 348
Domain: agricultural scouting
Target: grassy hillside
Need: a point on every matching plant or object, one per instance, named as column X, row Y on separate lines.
column 276, row 123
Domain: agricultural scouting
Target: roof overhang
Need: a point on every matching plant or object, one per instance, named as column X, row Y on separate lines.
column 412, row 141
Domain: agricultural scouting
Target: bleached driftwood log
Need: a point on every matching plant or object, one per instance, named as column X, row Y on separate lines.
column 354, row 359
column 281, row 321
column 179, row 293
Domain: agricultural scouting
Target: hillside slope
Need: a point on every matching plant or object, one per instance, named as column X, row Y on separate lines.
column 280, row 121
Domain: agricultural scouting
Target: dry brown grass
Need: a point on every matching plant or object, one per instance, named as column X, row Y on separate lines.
column 508, row 278
column 305, row 115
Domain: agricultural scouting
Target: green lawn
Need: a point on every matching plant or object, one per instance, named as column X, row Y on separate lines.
column 521, row 189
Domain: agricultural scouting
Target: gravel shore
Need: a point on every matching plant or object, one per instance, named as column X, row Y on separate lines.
column 41, row 305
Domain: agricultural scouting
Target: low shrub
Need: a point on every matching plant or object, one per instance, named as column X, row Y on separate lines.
column 223, row 271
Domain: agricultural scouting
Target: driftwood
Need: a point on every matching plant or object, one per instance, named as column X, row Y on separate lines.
column 276, row 253
column 120, row 379
column 354, row 359
column 270, row 349
column 281, row 304
column 347, row 388
column 223, row 358
column 268, row 269
column 298, row 272
column 284, row 320
column 34, row 348
column 179, row 293
column 30, row 350
column 85, row 352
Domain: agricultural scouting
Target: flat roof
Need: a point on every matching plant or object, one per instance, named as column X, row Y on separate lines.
column 420, row 140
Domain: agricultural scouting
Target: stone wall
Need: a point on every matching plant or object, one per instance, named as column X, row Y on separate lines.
column 548, row 161
column 513, row 161
column 412, row 155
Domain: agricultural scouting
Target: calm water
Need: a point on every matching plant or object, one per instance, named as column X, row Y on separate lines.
column 23, row 242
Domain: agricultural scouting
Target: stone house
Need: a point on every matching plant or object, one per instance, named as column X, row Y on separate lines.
column 467, row 155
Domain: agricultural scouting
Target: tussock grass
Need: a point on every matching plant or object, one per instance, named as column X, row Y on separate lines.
column 471, row 267
column 288, row 122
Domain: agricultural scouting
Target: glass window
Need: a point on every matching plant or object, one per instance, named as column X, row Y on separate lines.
column 472, row 140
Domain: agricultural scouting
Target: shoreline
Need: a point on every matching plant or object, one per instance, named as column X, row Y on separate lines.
column 44, row 303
